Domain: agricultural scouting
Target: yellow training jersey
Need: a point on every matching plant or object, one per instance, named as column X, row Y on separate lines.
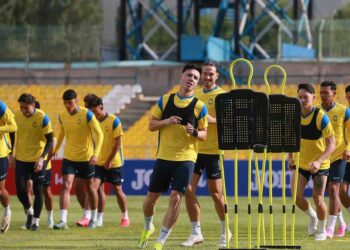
column 339, row 116
column 175, row 144
column 29, row 143
column 315, row 127
column 7, row 125
column 111, row 128
column 83, row 135
column 210, row 145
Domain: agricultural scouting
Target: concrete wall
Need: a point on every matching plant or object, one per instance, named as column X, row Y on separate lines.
column 156, row 79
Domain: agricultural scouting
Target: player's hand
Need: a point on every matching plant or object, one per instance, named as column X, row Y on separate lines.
column 189, row 128
column 314, row 166
column 107, row 165
column 39, row 165
column 346, row 155
column 93, row 160
column 12, row 160
column 173, row 120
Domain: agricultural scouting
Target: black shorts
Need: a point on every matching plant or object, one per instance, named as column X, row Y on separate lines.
column 337, row 171
column 176, row 174
column 25, row 170
column 81, row 169
column 308, row 174
column 3, row 168
column 112, row 175
column 47, row 178
column 347, row 173
column 211, row 164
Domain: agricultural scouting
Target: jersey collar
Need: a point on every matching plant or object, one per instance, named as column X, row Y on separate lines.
column 209, row 90
column 333, row 105
column 184, row 97
column 312, row 110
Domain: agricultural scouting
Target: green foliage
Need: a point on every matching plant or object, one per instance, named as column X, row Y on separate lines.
column 343, row 13
column 50, row 12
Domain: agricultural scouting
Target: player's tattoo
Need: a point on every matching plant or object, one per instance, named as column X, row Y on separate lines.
column 318, row 183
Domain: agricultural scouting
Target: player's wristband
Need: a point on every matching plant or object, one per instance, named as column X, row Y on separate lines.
column 195, row 133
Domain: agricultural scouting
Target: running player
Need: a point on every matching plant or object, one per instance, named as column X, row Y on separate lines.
column 110, row 161
column 208, row 161
column 83, row 144
column 181, row 120
column 317, row 144
column 339, row 116
column 32, row 144
column 7, row 125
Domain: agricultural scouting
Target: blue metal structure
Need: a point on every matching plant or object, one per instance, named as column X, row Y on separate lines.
column 174, row 17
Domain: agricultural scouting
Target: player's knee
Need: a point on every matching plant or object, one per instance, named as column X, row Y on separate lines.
column 319, row 200
column 216, row 196
column 66, row 186
column 175, row 198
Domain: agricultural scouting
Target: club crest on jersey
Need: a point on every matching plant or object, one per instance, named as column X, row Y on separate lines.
column 211, row 101
column 335, row 118
column 35, row 124
column 106, row 128
column 79, row 121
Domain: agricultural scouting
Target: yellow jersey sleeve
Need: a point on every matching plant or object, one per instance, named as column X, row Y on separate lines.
column 97, row 134
column 117, row 128
column 158, row 110
column 8, row 123
column 347, row 128
column 324, row 124
column 202, row 116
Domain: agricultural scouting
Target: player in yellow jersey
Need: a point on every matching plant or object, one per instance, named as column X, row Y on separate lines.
column 344, row 187
column 7, row 125
column 110, row 161
column 207, row 160
column 317, row 144
column 339, row 116
column 80, row 188
column 181, row 120
column 83, row 144
column 33, row 142
column 48, row 199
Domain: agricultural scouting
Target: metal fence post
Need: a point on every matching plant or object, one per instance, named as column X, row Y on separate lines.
column 320, row 41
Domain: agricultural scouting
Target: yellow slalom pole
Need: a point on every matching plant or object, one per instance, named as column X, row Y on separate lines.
column 225, row 197
column 284, row 229
column 270, row 199
column 250, row 198
column 236, row 198
column 294, row 197
column 262, row 193
column 251, row 71
column 259, row 214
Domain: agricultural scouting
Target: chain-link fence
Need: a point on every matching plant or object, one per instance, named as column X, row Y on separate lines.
column 64, row 44
column 315, row 39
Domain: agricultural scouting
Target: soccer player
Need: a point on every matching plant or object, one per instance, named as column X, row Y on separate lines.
column 317, row 144
column 7, row 125
column 80, row 188
column 110, row 161
column 83, row 144
column 339, row 116
column 344, row 187
column 181, row 120
column 207, row 160
column 33, row 142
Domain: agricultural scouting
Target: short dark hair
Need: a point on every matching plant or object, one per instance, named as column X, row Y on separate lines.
column 192, row 66
column 89, row 97
column 307, row 87
column 211, row 64
column 26, row 98
column 95, row 102
column 347, row 89
column 37, row 105
column 69, row 94
column 329, row 84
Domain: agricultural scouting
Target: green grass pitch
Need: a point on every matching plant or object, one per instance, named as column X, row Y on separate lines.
column 111, row 236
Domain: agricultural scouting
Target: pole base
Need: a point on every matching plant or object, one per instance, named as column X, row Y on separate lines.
column 243, row 248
